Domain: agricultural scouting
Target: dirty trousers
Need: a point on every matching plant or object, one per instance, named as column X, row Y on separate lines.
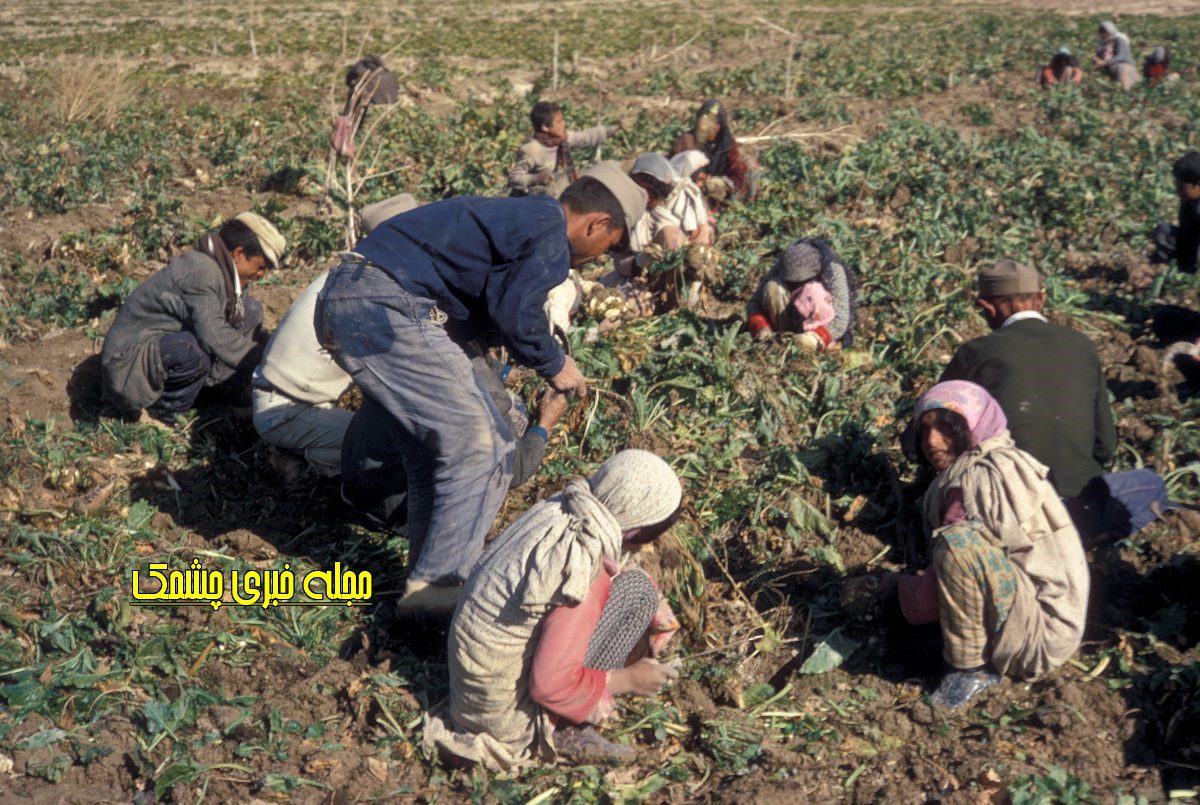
column 976, row 587
column 456, row 447
column 188, row 369
column 316, row 431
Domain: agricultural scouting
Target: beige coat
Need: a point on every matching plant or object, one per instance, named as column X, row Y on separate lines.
column 295, row 363
column 546, row 559
column 1009, row 491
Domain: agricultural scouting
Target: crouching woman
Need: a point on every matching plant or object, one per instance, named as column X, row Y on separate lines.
column 809, row 291
column 1008, row 580
column 550, row 628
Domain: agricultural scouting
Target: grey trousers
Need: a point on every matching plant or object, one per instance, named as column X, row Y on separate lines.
column 455, row 445
column 314, row 430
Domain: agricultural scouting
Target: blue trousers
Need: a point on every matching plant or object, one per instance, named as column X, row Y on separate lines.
column 455, row 446
column 188, row 367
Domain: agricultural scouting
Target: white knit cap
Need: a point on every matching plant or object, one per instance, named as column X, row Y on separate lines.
column 686, row 163
column 638, row 488
column 272, row 243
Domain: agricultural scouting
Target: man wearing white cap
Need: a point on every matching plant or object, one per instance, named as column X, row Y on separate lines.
column 190, row 326
column 473, row 265
column 297, row 385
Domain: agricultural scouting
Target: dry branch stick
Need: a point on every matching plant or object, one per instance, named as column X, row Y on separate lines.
column 831, row 134
column 737, row 588
column 777, row 121
column 779, row 28
column 669, row 54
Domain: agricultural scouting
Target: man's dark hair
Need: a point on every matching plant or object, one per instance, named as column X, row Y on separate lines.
column 235, row 233
column 587, row 194
column 543, row 114
column 1187, row 168
column 1017, row 299
column 950, row 422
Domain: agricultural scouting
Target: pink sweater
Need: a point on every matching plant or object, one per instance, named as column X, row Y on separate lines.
column 814, row 303
column 558, row 681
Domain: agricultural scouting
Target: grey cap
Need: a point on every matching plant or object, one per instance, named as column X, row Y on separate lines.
column 375, row 214
column 655, row 165
column 631, row 197
column 1008, row 278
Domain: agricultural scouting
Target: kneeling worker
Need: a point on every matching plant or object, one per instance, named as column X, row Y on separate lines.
column 297, row 385
column 190, row 326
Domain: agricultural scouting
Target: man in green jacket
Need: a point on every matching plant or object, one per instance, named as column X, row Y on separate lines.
column 190, row 326
column 1047, row 378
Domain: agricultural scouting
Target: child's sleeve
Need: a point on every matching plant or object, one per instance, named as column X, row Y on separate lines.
column 524, row 169
column 588, row 137
column 918, row 597
column 756, row 315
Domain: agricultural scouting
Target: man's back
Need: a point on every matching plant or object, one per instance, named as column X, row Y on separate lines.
column 1049, row 381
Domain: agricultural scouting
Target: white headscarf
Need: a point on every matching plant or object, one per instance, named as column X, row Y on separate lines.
column 638, row 488
column 687, row 163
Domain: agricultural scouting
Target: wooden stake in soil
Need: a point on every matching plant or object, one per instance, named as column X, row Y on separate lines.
column 253, row 47
column 554, row 73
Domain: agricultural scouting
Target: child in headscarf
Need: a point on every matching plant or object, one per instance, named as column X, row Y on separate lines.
column 728, row 176
column 644, row 280
column 1063, row 69
column 1008, row 579
column 550, row 628
column 654, row 174
column 809, row 291
column 1114, row 57
column 368, row 83
column 686, row 201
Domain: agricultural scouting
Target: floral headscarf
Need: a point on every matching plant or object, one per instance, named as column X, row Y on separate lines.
column 983, row 414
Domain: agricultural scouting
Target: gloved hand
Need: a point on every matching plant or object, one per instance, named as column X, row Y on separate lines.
column 611, row 129
column 764, row 334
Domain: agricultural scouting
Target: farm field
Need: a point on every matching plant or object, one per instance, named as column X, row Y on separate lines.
column 911, row 135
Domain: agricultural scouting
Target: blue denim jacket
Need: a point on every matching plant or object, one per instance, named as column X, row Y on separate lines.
column 488, row 262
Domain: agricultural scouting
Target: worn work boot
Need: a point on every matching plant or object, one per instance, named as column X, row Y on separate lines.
column 959, row 687
column 422, row 599
column 584, row 745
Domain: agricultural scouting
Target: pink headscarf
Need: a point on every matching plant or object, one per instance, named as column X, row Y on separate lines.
column 984, row 417
column 814, row 303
